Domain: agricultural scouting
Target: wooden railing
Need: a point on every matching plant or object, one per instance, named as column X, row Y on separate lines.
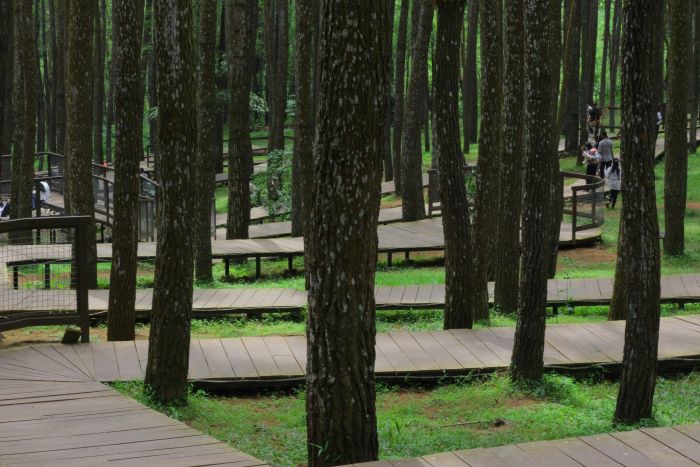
column 586, row 205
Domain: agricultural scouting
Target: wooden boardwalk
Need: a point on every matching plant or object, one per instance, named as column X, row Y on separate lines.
column 54, row 413
column 679, row 289
column 272, row 360
column 668, row 446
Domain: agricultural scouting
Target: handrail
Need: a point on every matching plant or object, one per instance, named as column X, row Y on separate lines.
column 589, row 193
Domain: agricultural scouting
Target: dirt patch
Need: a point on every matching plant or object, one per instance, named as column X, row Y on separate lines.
column 52, row 335
column 588, row 256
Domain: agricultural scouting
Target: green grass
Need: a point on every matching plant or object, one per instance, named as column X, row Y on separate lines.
column 415, row 421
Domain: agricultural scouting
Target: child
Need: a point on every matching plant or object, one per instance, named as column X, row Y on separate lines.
column 613, row 176
column 592, row 161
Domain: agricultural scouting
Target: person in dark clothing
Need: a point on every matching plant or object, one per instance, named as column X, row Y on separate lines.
column 613, row 178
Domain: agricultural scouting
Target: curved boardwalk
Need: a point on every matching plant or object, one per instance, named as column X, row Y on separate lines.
column 263, row 362
column 671, row 446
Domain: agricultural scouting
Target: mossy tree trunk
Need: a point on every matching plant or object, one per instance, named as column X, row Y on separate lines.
column 542, row 56
column 169, row 340
column 639, row 241
column 127, row 25
column 342, row 252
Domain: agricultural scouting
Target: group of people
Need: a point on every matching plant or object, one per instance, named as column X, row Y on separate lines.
column 600, row 162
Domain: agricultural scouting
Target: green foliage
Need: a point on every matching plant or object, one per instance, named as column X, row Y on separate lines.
column 273, row 188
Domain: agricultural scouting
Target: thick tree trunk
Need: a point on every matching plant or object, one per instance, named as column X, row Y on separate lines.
column 453, row 192
column 40, row 70
column 399, row 87
column 206, row 144
column 490, row 143
column 389, row 38
column 24, row 101
column 151, row 90
column 692, row 80
column 413, row 207
column 241, row 13
column 127, row 24
column 640, row 231
column 98, row 86
column 169, row 340
column 469, row 80
column 569, row 101
column 542, row 56
column 342, row 254
column 60, row 8
column 79, row 73
column 302, row 169
column 676, row 160
column 509, row 207
column 221, row 87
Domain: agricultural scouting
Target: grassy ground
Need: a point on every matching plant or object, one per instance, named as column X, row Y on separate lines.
column 415, row 421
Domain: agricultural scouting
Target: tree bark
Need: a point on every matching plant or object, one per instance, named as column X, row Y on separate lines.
column 302, row 169
column 614, row 56
column 342, row 254
column 169, row 340
column 6, row 79
column 127, row 25
column 206, row 144
column 60, row 73
column 569, row 101
column 676, row 160
column 241, row 49
column 98, row 85
column 453, row 192
column 542, row 56
column 276, row 46
column 606, row 54
column 40, row 70
column 509, row 207
column 413, row 206
column 469, row 80
column 389, row 38
column 490, row 144
column 692, row 80
column 221, row 86
column 399, row 87
column 24, row 101
column 589, row 38
column 79, row 75
column 640, row 232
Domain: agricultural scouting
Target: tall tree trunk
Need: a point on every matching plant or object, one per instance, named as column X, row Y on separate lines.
column 569, row 100
column 221, row 86
column 98, row 86
column 79, row 73
column 692, row 80
column 639, row 241
column 341, row 415
column 606, row 54
column 24, row 103
column 47, row 41
column 169, row 340
column 413, row 207
column 127, row 24
column 509, row 207
column 110, row 103
column 206, row 143
column 40, row 70
column 490, row 143
column 469, row 81
column 453, row 192
column 399, row 87
column 615, row 56
column 589, row 38
column 676, row 160
column 151, row 90
column 7, row 59
column 542, row 56
column 241, row 15
column 302, row 168
column 280, row 79
column 389, row 38
column 60, row 73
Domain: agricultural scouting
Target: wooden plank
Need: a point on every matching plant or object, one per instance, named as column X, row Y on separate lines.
column 445, row 459
column 198, row 368
column 469, row 340
column 437, row 352
column 216, row 358
column 283, row 356
column 459, row 352
column 105, row 358
column 128, row 361
column 423, row 295
column 653, row 449
column 547, row 454
column 408, row 345
column 238, row 358
column 394, row 355
column 261, row 357
column 674, row 439
column 583, row 453
column 618, row 451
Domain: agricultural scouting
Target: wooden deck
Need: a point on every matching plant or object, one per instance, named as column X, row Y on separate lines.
column 53, row 413
column 679, row 289
column 273, row 360
column 668, row 446
column 399, row 237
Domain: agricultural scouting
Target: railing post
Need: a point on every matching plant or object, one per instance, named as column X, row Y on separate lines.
column 574, row 209
column 81, row 289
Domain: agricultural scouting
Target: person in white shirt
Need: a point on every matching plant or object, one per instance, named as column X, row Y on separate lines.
column 613, row 177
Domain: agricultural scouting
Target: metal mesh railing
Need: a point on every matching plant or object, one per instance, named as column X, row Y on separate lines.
column 43, row 268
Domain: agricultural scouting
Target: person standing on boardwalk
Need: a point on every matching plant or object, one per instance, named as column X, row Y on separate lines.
column 605, row 149
column 592, row 159
column 613, row 178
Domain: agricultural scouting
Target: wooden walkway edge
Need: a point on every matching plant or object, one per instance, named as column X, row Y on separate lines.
column 667, row 446
column 270, row 361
